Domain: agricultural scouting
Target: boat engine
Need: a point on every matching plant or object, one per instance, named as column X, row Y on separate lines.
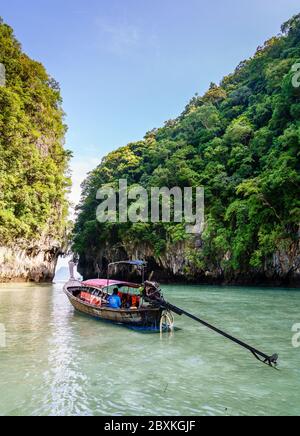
column 152, row 294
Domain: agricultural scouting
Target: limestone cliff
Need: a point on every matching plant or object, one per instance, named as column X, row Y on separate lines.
column 240, row 141
column 33, row 166
column 37, row 263
column 175, row 267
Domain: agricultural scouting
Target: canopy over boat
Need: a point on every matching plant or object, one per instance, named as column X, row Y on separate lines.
column 139, row 263
column 103, row 283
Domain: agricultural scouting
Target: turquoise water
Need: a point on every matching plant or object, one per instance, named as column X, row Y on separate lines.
column 57, row 362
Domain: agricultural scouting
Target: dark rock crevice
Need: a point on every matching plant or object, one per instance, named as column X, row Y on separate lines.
column 283, row 269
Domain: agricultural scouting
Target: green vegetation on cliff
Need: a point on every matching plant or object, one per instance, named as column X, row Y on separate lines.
column 241, row 141
column 33, row 162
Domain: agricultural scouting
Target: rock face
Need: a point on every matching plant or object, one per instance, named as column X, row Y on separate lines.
column 36, row 263
column 167, row 268
column 34, row 177
column 285, row 266
column 283, row 269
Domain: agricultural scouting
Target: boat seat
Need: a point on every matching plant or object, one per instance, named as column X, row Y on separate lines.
column 85, row 296
column 136, row 301
column 96, row 301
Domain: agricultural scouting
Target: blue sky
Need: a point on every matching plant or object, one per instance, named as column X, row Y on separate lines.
column 126, row 66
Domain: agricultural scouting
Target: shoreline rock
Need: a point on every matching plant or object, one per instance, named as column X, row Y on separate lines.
column 36, row 263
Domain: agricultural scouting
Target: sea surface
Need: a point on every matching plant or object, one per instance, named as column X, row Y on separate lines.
column 54, row 361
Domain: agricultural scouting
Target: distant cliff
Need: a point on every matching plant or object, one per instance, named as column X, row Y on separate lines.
column 241, row 141
column 33, row 165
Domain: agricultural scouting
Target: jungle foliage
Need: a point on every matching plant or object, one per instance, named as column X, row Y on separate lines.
column 241, row 141
column 33, row 162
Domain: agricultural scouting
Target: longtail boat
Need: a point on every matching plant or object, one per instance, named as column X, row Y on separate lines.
column 91, row 297
column 141, row 306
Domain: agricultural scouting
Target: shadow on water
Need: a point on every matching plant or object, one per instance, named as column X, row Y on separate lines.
column 138, row 329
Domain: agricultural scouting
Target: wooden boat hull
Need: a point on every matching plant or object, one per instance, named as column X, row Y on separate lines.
column 143, row 317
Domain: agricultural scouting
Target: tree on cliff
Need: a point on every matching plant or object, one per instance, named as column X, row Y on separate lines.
column 241, row 141
column 33, row 162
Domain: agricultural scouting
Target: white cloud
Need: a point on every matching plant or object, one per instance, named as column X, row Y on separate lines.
column 121, row 37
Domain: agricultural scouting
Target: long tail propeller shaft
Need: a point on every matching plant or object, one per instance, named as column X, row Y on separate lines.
column 262, row 357
column 158, row 300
